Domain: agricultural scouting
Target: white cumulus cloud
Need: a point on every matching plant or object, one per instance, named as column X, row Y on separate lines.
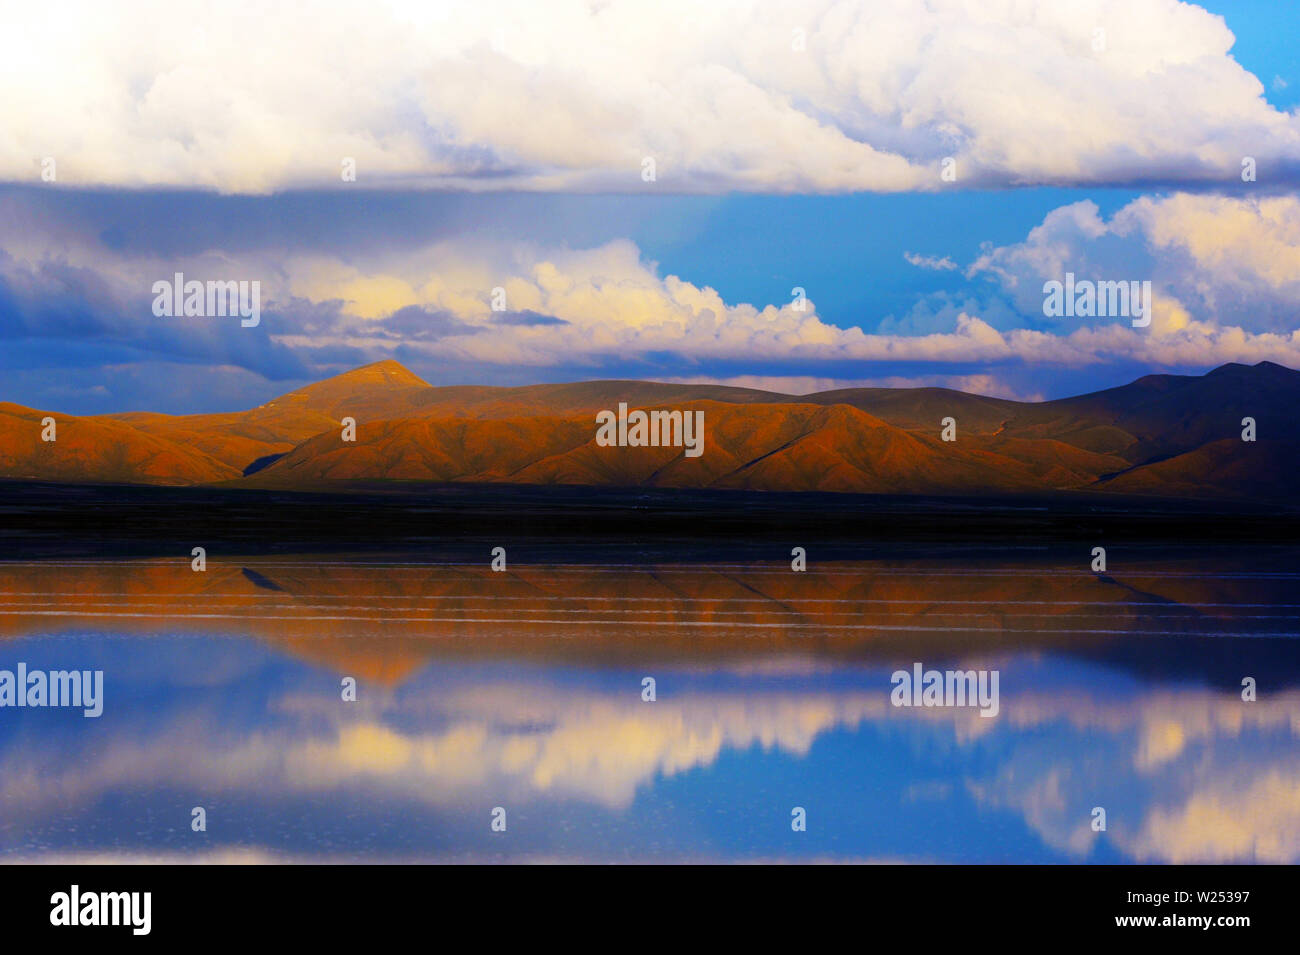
column 1211, row 259
column 759, row 95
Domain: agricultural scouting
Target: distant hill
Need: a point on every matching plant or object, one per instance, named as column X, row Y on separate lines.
column 1162, row 415
column 1162, row 435
column 382, row 390
column 90, row 450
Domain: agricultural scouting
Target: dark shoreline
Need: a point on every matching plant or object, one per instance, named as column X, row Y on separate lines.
column 458, row 521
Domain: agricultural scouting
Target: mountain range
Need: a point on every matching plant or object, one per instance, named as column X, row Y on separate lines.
column 1169, row 436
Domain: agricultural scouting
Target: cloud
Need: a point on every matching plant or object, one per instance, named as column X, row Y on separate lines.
column 755, row 95
column 989, row 385
column 1225, row 274
column 1213, row 260
column 611, row 304
column 934, row 263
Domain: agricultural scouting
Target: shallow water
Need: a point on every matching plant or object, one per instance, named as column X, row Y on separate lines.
column 523, row 690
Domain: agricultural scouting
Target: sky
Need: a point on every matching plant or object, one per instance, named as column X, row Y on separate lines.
column 917, row 170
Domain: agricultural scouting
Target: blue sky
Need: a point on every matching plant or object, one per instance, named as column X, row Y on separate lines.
column 910, row 279
column 1266, row 32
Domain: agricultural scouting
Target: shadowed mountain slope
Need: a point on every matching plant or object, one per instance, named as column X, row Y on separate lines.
column 1162, row 415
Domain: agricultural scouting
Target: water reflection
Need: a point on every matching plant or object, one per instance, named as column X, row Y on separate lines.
column 523, row 690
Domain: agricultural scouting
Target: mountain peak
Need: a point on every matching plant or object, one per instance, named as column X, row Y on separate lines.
column 1231, row 368
column 1260, row 372
column 1273, row 368
column 387, row 372
column 381, row 375
column 357, row 388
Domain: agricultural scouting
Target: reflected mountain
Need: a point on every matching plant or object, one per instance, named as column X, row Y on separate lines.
column 386, row 618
